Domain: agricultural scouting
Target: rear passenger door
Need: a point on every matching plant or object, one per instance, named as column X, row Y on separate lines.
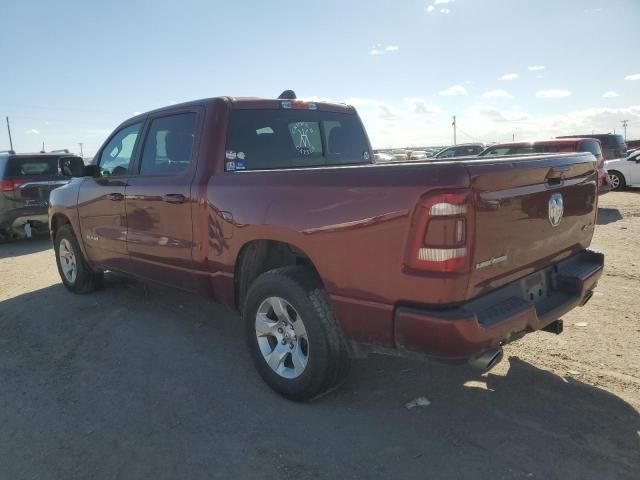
column 158, row 200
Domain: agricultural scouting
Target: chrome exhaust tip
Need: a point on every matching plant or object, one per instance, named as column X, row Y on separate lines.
column 586, row 298
column 486, row 360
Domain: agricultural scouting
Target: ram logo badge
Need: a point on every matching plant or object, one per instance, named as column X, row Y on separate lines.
column 556, row 209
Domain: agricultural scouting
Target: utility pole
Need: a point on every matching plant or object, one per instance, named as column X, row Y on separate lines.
column 624, row 125
column 81, row 155
column 513, row 137
column 9, row 130
column 454, row 130
column 42, row 147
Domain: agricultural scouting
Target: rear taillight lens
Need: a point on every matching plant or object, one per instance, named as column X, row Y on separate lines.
column 440, row 233
column 11, row 185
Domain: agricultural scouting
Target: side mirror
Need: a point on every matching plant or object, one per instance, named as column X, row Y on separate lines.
column 71, row 167
column 91, row 171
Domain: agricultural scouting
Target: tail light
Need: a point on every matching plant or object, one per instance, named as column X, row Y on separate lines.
column 441, row 232
column 11, row 185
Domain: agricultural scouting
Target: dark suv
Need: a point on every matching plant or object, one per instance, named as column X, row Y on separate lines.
column 25, row 183
column 613, row 145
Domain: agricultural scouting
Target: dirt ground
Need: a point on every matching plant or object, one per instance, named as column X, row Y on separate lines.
column 139, row 382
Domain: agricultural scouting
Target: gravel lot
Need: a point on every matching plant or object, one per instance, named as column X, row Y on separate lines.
column 141, row 382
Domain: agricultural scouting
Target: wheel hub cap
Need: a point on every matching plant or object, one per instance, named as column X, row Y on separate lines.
column 67, row 260
column 282, row 337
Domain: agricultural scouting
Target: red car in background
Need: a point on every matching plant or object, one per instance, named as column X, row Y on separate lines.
column 565, row 145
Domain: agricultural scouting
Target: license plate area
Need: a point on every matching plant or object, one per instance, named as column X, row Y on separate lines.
column 535, row 287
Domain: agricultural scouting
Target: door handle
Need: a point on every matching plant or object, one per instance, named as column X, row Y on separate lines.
column 174, row 198
column 116, row 197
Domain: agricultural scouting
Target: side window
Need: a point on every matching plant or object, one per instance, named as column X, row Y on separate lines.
column 168, row 147
column 450, row 152
column 116, row 157
column 498, row 151
column 590, row 146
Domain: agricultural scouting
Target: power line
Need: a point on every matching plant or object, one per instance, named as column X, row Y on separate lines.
column 475, row 139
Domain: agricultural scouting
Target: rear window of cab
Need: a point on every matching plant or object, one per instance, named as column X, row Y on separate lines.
column 275, row 139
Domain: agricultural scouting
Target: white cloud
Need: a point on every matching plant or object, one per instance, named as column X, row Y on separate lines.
column 387, row 112
column 32, row 131
column 610, row 94
column 380, row 50
column 535, row 68
column 378, row 108
column 509, row 76
column 497, row 115
column 552, row 93
column 315, row 98
column 430, row 8
column 454, row 90
column 419, row 106
column 136, row 113
column 391, row 125
column 499, row 93
column 445, row 10
column 633, row 77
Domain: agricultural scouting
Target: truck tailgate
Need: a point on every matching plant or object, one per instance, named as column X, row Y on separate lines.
column 530, row 212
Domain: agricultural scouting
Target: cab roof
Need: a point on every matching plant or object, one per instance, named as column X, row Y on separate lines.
column 247, row 103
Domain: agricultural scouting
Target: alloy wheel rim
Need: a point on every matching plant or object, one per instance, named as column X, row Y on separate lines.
column 615, row 181
column 282, row 337
column 67, row 260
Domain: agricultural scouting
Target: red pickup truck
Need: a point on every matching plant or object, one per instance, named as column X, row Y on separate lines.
column 276, row 208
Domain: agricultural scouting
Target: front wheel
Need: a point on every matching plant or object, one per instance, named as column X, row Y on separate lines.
column 74, row 271
column 293, row 337
column 616, row 180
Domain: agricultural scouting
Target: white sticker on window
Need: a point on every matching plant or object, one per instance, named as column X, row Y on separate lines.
column 240, row 155
column 230, row 166
column 230, row 154
column 302, row 130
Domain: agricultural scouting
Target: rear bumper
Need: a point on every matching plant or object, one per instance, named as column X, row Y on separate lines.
column 16, row 218
column 503, row 315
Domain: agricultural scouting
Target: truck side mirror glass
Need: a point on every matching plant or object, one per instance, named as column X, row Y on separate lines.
column 71, row 167
column 91, row 171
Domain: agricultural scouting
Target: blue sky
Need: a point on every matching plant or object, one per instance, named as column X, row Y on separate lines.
column 72, row 70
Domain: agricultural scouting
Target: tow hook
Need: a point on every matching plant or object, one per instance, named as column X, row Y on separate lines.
column 555, row 327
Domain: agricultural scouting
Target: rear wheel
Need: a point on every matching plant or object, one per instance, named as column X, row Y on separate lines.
column 74, row 271
column 616, row 180
column 293, row 337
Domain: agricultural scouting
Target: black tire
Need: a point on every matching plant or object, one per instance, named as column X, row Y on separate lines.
column 328, row 356
column 616, row 178
column 86, row 280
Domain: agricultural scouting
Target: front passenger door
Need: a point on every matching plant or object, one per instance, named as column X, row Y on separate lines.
column 101, row 201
